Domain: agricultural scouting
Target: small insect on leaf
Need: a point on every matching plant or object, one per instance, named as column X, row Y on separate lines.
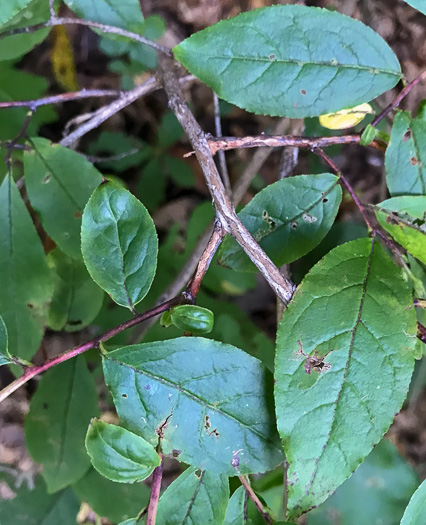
column 345, row 118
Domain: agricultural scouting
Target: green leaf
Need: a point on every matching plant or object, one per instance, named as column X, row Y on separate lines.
column 76, row 300
column 59, row 182
column 192, row 319
column 118, row 454
column 368, row 135
column 127, row 14
column 405, row 158
column 4, row 353
column 119, row 244
column 383, row 483
column 25, row 281
column 405, row 219
column 210, row 401
column 291, row 60
column 56, row 424
column 36, row 507
column 343, row 366
column 416, row 510
column 288, row 219
column 115, row 501
column 235, row 511
column 420, row 5
column 194, row 497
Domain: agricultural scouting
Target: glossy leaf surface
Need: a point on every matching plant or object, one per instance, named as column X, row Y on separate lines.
column 25, row 280
column 416, row 510
column 59, row 182
column 343, row 366
column 405, row 219
column 119, row 244
column 56, row 424
column 76, row 298
column 210, row 400
column 194, row 319
column 235, row 510
column 405, row 158
column 291, row 60
column 126, row 14
column 287, row 218
column 118, row 454
column 194, row 497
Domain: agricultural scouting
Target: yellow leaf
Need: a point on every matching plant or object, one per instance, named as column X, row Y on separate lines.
column 345, row 118
column 63, row 60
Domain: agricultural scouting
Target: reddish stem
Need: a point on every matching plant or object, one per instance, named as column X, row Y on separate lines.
column 155, row 494
column 255, row 499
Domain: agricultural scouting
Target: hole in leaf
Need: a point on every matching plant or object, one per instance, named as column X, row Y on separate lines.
column 271, row 56
column 406, row 136
column 46, row 178
column 325, row 200
column 293, row 225
column 198, row 473
column 124, row 396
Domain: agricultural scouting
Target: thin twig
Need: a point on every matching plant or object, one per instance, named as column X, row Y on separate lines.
column 111, row 158
column 285, row 489
column 399, row 98
column 60, row 21
column 32, row 371
column 14, row 141
column 255, row 499
column 52, row 9
column 155, row 494
column 224, row 210
column 63, row 97
column 221, row 154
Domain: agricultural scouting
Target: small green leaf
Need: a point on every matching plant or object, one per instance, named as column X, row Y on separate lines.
column 416, row 510
column 118, row 454
column 288, row 219
column 210, row 401
column 235, row 511
column 119, row 244
column 76, row 298
column 405, row 219
column 25, row 280
column 115, row 501
column 343, row 366
column 368, row 135
column 405, row 158
column 192, row 319
column 59, row 182
column 36, row 507
column 194, row 497
column 166, row 319
column 291, row 60
column 420, row 5
column 4, row 353
column 56, row 424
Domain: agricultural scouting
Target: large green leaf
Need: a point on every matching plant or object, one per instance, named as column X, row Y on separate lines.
column 416, row 510
column 405, row 219
column 194, row 497
column 126, row 14
column 115, row 501
column 235, row 510
column 288, row 219
column 211, row 402
column 405, row 158
column 291, row 60
column 118, row 454
column 36, row 507
column 4, row 353
column 77, row 299
column 25, row 281
column 420, row 5
column 119, row 244
column 59, row 182
column 383, row 483
column 56, row 424
column 343, row 366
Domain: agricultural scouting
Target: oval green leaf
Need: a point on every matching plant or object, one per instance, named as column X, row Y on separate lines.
column 59, row 182
column 343, row 366
column 119, row 244
column 416, row 510
column 25, row 280
column 287, row 218
column 291, row 60
column 194, row 497
column 5, row 358
column 56, row 424
column 405, row 219
column 405, row 158
column 211, row 403
column 191, row 318
column 77, row 299
column 118, row 454
column 235, row 510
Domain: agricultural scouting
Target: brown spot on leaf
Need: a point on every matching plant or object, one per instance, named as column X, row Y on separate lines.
column 271, row 56
column 413, row 161
column 303, row 91
column 78, row 214
column 176, row 453
column 406, row 136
